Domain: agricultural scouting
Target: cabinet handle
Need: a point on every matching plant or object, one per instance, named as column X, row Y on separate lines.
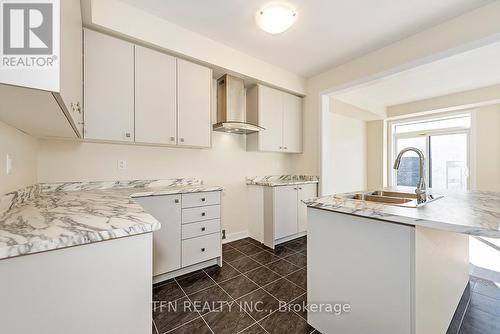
column 203, row 229
column 203, row 214
column 203, row 249
column 300, row 188
column 281, row 147
column 172, row 138
column 182, row 140
column 176, row 201
column 285, row 148
column 203, row 199
column 127, row 134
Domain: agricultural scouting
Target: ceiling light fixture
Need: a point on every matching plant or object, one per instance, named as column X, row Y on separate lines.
column 276, row 18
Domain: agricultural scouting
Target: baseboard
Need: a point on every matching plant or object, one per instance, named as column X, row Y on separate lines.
column 230, row 237
column 456, row 321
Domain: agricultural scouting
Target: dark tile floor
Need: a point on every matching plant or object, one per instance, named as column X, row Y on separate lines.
column 241, row 297
column 219, row 300
column 483, row 313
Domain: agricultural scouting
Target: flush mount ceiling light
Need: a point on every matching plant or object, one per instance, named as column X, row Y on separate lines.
column 276, row 18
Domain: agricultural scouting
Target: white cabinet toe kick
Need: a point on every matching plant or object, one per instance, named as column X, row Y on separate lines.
column 190, row 236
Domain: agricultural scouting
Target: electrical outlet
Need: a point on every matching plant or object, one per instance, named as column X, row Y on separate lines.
column 8, row 164
column 122, row 164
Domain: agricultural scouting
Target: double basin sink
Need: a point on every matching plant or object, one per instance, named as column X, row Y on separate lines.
column 402, row 199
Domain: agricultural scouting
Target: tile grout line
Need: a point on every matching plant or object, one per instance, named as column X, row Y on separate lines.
column 156, row 328
column 259, row 287
column 193, row 305
column 234, row 300
column 262, row 287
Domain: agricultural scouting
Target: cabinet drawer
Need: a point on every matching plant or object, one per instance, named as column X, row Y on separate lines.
column 200, row 228
column 201, row 213
column 200, row 199
column 200, row 249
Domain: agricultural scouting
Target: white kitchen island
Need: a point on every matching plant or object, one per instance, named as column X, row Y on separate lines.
column 401, row 270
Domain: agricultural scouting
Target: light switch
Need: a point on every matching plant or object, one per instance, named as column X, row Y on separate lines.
column 122, row 164
column 8, row 164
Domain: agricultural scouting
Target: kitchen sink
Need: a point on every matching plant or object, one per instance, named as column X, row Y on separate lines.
column 402, row 199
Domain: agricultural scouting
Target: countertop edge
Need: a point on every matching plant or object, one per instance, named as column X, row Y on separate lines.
column 396, row 219
column 91, row 237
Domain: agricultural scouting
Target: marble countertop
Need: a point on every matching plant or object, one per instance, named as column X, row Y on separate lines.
column 281, row 180
column 53, row 216
column 475, row 212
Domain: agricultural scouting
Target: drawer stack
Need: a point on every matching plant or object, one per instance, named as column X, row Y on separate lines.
column 201, row 239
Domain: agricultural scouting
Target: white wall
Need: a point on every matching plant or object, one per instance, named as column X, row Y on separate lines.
column 456, row 101
column 486, row 148
column 447, row 38
column 22, row 148
column 376, row 155
column 226, row 164
column 344, row 155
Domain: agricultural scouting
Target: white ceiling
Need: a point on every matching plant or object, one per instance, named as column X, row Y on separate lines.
column 469, row 70
column 326, row 33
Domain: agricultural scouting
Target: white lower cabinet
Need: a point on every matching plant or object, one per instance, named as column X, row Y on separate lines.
column 189, row 234
column 200, row 249
column 285, row 212
column 167, row 240
column 306, row 191
column 285, row 215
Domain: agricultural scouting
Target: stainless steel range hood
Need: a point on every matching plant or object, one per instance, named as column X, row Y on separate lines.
column 231, row 113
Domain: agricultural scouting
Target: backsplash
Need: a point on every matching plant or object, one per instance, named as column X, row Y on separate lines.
column 101, row 185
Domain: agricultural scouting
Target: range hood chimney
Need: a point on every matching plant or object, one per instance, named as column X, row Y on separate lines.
column 231, row 114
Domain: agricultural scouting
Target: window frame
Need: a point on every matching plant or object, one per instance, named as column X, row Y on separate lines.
column 393, row 137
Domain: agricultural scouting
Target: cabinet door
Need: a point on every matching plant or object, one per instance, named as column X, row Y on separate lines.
column 285, row 211
column 167, row 240
column 292, row 123
column 155, row 97
column 306, row 191
column 71, row 85
column 109, row 88
column 194, row 90
column 271, row 118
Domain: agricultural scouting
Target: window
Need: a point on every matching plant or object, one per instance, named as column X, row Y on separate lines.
column 445, row 144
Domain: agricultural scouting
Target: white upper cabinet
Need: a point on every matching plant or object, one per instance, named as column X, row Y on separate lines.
column 47, row 102
column 135, row 94
column 155, row 97
column 280, row 114
column 71, row 81
column 194, row 87
column 292, row 123
column 271, row 118
column 109, row 87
